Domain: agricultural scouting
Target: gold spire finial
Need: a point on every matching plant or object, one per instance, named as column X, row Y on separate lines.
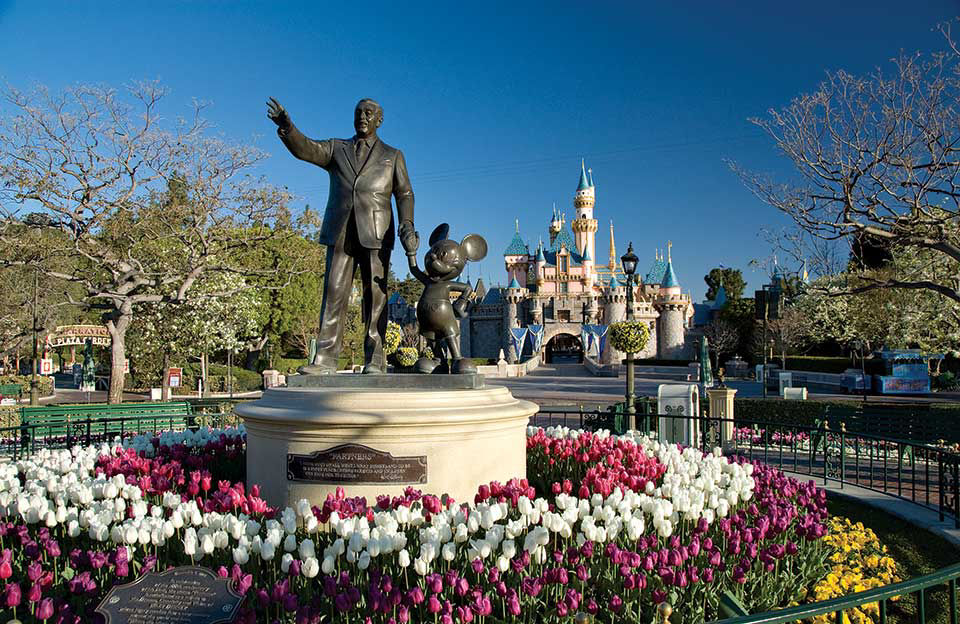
column 517, row 223
column 669, row 249
column 613, row 249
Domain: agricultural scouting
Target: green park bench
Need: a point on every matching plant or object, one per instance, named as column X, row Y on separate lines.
column 14, row 391
column 89, row 420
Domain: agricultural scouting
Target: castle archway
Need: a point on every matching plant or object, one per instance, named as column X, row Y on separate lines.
column 564, row 347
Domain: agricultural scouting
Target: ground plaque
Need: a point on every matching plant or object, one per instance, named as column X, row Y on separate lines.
column 184, row 595
column 356, row 464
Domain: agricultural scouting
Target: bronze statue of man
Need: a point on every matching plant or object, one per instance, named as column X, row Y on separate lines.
column 357, row 226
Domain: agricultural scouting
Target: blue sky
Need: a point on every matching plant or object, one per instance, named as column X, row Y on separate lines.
column 495, row 103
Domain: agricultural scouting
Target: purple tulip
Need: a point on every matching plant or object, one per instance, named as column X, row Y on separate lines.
column 12, row 595
column 45, row 609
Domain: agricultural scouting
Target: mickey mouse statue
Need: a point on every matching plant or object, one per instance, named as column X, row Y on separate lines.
column 435, row 314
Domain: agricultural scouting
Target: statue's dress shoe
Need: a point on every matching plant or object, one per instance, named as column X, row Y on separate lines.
column 372, row 369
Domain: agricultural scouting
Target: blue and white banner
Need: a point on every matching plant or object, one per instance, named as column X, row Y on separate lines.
column 536, row 337
column 600, row 337
column 517, row 336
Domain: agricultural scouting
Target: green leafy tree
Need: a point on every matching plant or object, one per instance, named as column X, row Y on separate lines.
column 732, row 280
column 146, row 206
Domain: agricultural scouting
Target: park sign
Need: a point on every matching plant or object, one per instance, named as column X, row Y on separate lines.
column 77, row 335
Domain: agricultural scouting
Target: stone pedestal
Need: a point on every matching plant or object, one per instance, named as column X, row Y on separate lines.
column 359, row 433
column 721, row 406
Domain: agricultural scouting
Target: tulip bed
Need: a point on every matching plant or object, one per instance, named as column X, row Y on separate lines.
column 608, row 525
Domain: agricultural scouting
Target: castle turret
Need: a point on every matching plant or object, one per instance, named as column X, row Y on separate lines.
column 584, row 225
column 556, row 224
column 589, row 275
column 614, row 301
column 516, row 258
column 672, row 306
column 512, row 297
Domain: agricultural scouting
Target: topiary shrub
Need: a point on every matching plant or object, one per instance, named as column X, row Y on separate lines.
column 407, row 356
column 391, row 342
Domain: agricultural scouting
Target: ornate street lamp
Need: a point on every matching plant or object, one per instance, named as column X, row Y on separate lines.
column 629, row 263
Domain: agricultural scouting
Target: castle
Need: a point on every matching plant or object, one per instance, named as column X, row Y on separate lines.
column 561, row 287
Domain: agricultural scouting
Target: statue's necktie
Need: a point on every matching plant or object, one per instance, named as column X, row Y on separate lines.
column 361, row 152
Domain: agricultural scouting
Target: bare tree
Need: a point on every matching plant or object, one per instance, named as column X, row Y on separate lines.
column 722, row 337
column 877, row 156
column 140, row 207
column 788, row 332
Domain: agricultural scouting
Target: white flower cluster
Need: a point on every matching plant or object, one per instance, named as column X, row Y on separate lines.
column 143, row 443
column 60, row 488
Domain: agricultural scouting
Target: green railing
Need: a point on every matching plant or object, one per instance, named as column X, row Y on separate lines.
column 918, row 586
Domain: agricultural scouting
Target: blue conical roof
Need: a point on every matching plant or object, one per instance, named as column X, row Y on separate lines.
column 669, row 277
column 584, row 183
column 540, row 256
column 516, row 247
column 514, row 283
column 613, row 283
column 721, row 299
column 586, row 254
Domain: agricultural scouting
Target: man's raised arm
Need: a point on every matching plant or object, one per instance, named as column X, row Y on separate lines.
column 316, row 152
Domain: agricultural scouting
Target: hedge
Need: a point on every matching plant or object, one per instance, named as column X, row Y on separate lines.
column 819, row 364
column 44, row 383
column 243, row 380
column 806, row 413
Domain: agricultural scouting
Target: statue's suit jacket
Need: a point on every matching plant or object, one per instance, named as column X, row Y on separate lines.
column 363, row 188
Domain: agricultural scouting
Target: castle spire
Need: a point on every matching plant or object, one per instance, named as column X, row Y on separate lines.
column 584, row 183
column 613, row 250
column 590, row 173
column 669, row 248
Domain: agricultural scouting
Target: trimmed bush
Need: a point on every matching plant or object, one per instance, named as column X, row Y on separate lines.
column 818, row 364
column 44, row 383
column 629, row 336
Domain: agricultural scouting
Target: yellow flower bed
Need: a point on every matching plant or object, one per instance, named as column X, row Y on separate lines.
column 859, row 562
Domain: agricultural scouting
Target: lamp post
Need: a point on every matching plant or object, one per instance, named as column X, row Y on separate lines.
column 629, row 263
column 34, row 383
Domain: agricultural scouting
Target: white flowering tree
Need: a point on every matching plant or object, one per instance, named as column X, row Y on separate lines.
column 198, row 327
column 144, row 204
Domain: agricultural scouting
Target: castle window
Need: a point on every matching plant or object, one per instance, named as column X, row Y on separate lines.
column 562, row 264
column 564, row 287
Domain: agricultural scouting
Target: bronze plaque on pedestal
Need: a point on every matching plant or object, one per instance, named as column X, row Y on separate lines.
column 184, row 595
column 356, row 464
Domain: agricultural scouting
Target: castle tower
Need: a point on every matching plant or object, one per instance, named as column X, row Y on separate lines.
column 512, row 297
column 556, row 224
column 614, row 301
column 516, row 258
column 589, row 274
column 672, row 305
column 584, row 225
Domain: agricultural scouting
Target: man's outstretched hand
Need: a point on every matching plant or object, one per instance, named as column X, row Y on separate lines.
column 409, row 238
column 277, row 113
